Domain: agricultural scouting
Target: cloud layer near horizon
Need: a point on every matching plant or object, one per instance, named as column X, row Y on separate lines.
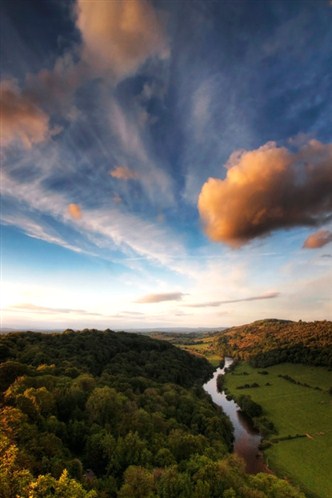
column 268, row 189
column 267, row 295
column 158, row 298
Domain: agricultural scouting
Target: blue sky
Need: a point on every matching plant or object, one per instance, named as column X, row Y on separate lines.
column 165, row 163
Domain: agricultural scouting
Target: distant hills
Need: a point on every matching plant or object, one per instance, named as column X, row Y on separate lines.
column 177, row 330
column 272, row 341
column 263, row 342
column 168, row 330
column 8, row 330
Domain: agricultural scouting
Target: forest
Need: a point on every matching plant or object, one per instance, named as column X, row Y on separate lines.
column 90, row 413
column 269, row 342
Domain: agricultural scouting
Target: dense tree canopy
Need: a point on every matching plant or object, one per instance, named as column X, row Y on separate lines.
column 103, row 414
column 268, row 342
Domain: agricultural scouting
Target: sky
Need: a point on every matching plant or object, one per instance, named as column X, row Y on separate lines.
column 165, row 163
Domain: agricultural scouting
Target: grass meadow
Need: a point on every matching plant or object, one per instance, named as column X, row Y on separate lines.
column 294, row 409
column 200, row 345
column 205, row 347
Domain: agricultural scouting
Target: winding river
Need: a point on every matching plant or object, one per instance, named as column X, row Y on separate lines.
column 246, row 438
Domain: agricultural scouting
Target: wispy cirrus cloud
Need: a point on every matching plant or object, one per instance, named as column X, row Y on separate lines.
column 42, row 312
column 268, row 189
column 50, row 93
column 101, row 229
column 33, row 308
column 132, row 145
column 201, row 111
column 210, row 304
column 158, row 298
column 268, row 295
column 318, row 239
column 34, row 228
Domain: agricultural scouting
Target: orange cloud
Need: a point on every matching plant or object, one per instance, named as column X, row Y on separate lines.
column 21, row 120
column 268, row 189
column 123, row 173
column 318, row 239
column 158, row 298
column 119, row 35
column 54, row 88
column 75, row 211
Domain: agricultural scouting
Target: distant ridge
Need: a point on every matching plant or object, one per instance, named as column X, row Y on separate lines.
column 147, row 330
column 176, row 330
column 271, row 341
column 7, row 330
column 267, row 321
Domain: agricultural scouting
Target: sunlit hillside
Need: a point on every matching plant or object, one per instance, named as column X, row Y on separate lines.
column 267, row 342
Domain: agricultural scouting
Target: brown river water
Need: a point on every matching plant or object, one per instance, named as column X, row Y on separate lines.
column 246, row 438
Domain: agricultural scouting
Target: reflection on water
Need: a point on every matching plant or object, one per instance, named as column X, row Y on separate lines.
column 246, row 438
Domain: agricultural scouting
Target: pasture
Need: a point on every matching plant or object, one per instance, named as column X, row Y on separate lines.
column 203, row 346
column 300, row 407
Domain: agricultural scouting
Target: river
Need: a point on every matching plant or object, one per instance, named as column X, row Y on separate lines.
column 246, row 438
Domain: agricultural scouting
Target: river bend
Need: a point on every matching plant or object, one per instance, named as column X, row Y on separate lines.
column 246, row 438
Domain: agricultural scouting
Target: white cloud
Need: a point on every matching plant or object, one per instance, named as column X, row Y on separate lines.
column 107, row 228
column 133, row 146
column 36, row 230
column 202, row 100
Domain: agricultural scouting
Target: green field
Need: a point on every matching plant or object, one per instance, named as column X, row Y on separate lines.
column 294, row 410
column 200, row 344
column 204, row 347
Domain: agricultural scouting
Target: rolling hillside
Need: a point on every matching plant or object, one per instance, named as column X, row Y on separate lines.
column 268, row 342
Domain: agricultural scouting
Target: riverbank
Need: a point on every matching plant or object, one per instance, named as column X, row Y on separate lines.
column 295, row 399
column 246, row 439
